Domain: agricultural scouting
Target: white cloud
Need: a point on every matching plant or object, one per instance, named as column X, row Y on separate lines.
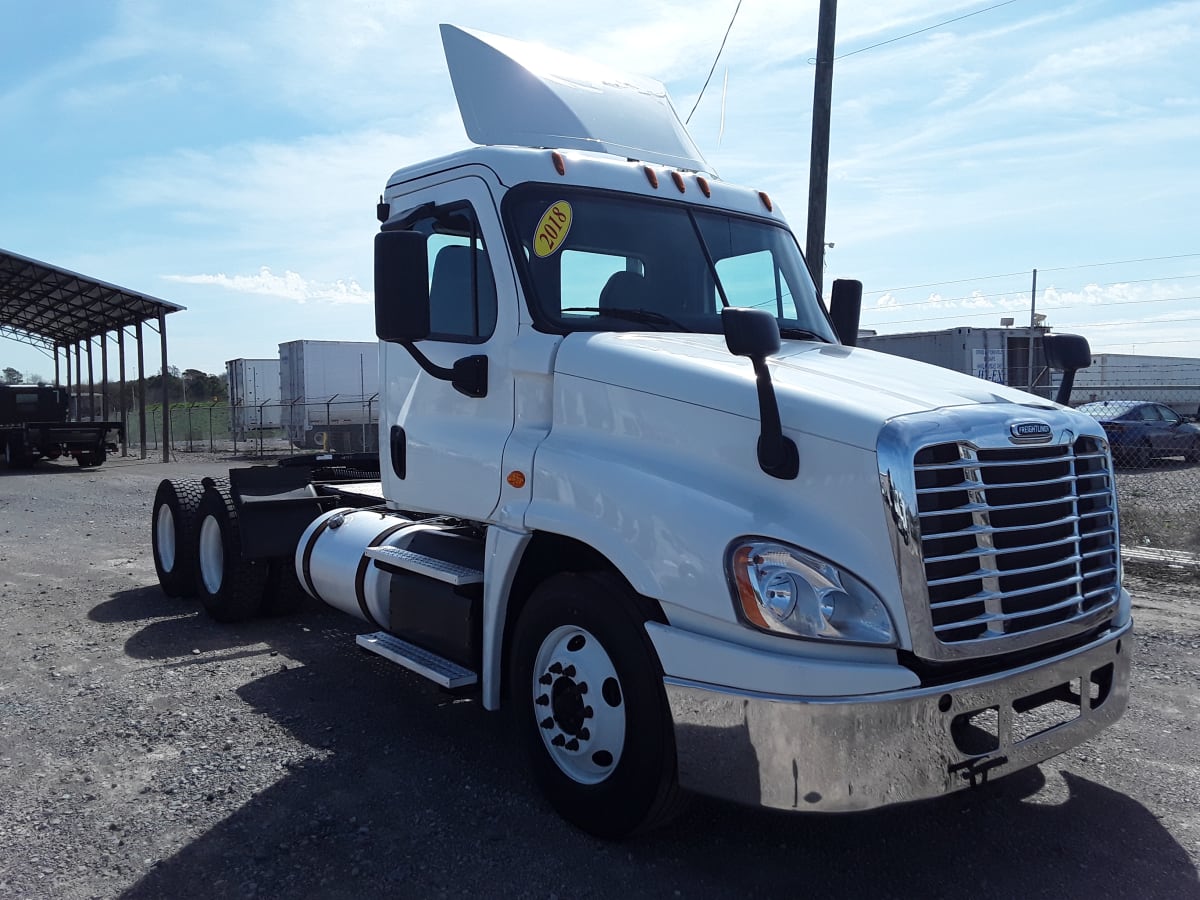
column 288, row 286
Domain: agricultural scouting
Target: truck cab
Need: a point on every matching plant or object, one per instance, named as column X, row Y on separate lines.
column 638, row 489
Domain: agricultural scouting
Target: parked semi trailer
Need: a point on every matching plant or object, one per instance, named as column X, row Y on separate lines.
column 34, row 425
column 689, row 543
column 253, row 396
column 329, row 391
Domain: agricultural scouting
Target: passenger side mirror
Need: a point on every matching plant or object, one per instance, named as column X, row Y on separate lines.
column 1068, row 352
column 845, row 309
column 755, row 333
column 401, row 286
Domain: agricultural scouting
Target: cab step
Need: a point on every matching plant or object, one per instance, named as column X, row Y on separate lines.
column 396, row 559
column 437, row 669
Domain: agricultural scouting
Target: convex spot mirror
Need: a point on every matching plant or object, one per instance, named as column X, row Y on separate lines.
column 750, row 332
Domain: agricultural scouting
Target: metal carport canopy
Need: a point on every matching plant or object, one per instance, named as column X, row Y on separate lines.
column 52, row 307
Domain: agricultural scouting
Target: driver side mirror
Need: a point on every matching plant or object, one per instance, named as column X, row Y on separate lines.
column 401, row 286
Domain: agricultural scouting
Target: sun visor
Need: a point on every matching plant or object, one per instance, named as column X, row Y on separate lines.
column 518, row 94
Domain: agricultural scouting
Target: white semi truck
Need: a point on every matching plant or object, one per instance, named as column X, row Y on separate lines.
column 633, row 487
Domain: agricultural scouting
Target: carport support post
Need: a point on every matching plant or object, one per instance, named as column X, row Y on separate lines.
column 166, row 430
column 56, row 366
column 141, row 391
column 91, row 382
column 104, row 376
column 121, row 391
column 78, row 375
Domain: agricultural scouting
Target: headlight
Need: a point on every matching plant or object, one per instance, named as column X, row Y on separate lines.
column 784, row 590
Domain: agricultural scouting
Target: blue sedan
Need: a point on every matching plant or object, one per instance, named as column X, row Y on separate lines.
column 1141, row 430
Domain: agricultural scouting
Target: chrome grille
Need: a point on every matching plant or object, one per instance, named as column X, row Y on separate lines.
column 1016, row 539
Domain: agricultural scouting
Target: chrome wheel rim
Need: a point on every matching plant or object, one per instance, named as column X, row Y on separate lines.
column 579, row 704
column 212, row 554
column 164, row 531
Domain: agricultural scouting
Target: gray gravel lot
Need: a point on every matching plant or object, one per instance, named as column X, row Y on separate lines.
column 146, row 751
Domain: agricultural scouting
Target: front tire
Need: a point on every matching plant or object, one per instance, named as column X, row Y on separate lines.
column 586, row 688
column 231, row 588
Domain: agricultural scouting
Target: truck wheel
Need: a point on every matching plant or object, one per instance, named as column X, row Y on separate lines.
column 231, row 588
column 15, row 455
column 173, row 527
column 586, row 689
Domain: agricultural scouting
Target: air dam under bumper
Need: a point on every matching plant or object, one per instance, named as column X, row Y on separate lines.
column 853, row 753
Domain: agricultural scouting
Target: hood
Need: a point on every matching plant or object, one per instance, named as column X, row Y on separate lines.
column 842, row 393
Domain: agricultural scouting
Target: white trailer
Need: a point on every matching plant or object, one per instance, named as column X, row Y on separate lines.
column 1171, row 380
column 253, row 396
column 329, row 391
column 639, row 489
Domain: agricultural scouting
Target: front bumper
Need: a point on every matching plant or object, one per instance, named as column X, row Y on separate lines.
column 838, row 754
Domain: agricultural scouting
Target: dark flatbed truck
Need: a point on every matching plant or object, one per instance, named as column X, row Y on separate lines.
column 33, row 426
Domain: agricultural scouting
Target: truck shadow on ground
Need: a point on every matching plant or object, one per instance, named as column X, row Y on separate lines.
column 412, row 790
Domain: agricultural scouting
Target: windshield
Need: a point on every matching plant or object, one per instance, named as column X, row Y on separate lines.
column 598, row 261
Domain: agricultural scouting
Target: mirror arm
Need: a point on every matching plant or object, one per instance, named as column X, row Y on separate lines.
column 777, row 453
column 468, row 375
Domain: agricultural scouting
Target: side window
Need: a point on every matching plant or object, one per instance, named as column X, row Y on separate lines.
column 462, row 290
column 1169, row 415
column 753, row 280
column 1149, row 414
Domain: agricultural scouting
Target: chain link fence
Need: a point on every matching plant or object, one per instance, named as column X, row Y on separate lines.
column 1156, row 453
column 1154, row 433
column 267, row 429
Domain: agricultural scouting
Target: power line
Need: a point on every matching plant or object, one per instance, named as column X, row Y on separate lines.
column 716, row 58
column 1024, row 301
column 923, row 30
column 1117, row 262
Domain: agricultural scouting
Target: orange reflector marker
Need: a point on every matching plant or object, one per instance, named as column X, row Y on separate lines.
column 516, row 479
column 678, row 179
column 560, row 164
column 741, row 563
column 651, row 176
column 704, row 188
column 766, row 201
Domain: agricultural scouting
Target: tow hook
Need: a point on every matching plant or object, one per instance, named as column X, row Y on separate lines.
column 976, row 770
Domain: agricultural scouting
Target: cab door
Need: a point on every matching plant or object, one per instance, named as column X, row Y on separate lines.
column 441, row 449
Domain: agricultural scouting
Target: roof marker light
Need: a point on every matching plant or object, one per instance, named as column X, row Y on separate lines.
column 560, row 164
column 678, row 179
column 651, row 176
column 704, row 187
column 766, row 201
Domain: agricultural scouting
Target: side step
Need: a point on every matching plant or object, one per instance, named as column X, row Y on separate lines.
column 436, row 668
column 394, row 559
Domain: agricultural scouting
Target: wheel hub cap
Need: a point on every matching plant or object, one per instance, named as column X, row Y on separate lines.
column 579, row 704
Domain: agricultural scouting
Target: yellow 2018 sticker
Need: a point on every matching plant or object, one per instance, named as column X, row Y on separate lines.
column 552, row 229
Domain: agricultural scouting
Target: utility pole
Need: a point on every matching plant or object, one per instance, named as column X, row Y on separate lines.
column 1032, row 326
column 818, row 166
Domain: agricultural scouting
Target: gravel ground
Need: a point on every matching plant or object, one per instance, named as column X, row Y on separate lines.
column 146, row 751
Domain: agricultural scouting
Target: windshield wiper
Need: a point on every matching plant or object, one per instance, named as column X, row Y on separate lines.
column 802, row 334
column 644, row 316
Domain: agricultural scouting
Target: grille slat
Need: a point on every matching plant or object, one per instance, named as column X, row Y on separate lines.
column 1006, row 617
column 980, row 551
column 1015, row 540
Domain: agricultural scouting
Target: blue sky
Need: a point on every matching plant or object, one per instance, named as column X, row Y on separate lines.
column 227, row 156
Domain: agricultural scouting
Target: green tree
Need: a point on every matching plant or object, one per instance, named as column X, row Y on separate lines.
column 11, row 375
